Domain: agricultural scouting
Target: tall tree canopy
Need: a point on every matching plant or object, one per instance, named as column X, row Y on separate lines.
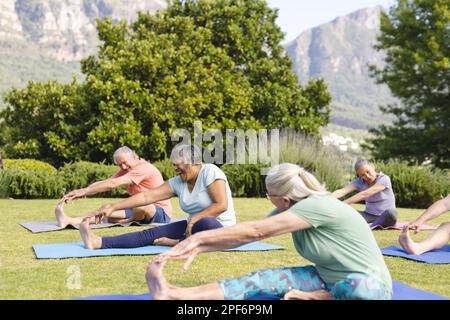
column 416, row 38
column 220, row 62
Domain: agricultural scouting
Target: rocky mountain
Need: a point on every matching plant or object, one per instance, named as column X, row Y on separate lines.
column 339, row 51
column 46, row 39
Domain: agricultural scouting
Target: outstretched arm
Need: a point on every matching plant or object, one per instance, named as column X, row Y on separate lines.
column 163, row 192
column 344, row 191
column 230, row 237
column 363, row 195
column 98, row 187
column 434, row 211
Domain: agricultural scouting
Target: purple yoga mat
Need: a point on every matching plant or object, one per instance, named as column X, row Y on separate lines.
column 399, row 226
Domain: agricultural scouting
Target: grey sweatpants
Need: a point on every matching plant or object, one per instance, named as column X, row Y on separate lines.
column 387, row 218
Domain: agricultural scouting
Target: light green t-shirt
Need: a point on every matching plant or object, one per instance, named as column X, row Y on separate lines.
column 339, row 242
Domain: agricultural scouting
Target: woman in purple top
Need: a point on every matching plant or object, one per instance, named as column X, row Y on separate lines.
column 376, row 189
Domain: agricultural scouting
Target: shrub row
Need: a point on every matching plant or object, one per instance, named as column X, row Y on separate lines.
column 30, row 184
column 29, row 164
column 414, row 186
column 244, row 180
column 31, row 179
column 329, row 165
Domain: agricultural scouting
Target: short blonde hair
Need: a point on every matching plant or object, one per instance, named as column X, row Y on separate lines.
column 293, row 181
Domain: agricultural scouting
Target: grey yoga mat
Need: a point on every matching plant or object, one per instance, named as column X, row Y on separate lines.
column 47, row 226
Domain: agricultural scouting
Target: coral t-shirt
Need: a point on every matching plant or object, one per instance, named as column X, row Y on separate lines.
column 145, row 176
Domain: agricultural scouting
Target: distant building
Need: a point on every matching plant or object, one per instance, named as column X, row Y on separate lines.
column 343, row 143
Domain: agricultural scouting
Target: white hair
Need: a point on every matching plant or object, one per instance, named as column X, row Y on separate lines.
column 124, row 150
column 361, row 162
column 293, row 181
column 187, row 153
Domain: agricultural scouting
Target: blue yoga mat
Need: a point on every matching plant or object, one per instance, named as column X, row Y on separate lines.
column 145, row 296
column 439, row 256
column 77, row 250
column 404, row 292
column 401, row 292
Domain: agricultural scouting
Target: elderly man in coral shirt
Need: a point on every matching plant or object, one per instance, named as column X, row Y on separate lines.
column 136, row 173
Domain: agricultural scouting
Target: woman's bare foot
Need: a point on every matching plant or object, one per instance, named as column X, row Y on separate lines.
column 165, row 242
column 408, row 244
column 295, row 294
column 91, row 241
column 157, row 283
column 61, row 218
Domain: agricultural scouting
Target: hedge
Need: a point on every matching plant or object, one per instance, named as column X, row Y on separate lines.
column 244, row 180
column 29, row 164
column 416, row 186
column 32, row 184
column 31, row 179
column 81, row 174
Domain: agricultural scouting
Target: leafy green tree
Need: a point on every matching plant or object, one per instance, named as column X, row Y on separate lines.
column 46, row 121
column 415, row 36
column 250, row 36
column 146, row 83
column 220, row 62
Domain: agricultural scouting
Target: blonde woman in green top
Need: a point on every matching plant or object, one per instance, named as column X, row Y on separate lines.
column 326, row 231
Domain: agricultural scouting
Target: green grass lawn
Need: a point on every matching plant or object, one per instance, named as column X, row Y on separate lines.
column 22, row 276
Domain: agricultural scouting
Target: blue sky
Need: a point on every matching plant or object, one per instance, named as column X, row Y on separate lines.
column 296, row 16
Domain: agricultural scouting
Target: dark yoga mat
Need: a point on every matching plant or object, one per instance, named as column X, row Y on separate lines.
column 399, row 226
column 401, row 292
column 77, row 250
column 439, row 256
column 47, row 226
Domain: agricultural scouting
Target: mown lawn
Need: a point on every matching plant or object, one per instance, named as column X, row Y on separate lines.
column 22, row 276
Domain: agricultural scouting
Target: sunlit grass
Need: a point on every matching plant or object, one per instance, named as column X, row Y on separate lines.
column 22, row 276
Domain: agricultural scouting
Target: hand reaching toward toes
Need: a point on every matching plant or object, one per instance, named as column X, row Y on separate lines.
column 165, row 242
column 101, row 214
column 184, row 250
column 413, row 226
column 72, row 195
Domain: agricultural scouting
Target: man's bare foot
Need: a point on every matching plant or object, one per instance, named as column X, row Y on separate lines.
column 91, row 241
column 157, row 283
column 408, row 244
column 62, row 219
column 165, row 242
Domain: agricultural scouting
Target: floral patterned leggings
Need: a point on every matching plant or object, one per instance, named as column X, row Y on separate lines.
column 277, row 282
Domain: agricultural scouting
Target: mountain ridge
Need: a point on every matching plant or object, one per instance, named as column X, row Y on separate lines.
column 44, row 40
column 340, row 52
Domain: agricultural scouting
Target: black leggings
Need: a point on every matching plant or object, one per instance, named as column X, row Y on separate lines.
column 175, row 230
